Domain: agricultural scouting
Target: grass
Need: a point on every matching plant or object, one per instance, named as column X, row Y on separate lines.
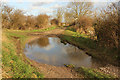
column 17, row 67
column 71, row 29
column 89, row 72
column 18, row 35
column 92, row 73
column 81, row 39
column 42, row 30
column 36, row 30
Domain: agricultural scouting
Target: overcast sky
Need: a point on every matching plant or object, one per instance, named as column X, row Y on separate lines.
column 35, row 7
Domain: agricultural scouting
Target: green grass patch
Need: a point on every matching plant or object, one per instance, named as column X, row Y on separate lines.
column 42, row 30
column 19, row 36
column 35, row 30
column 71, row 29
column 75, row 34
column 81, row 40
column 18, row 68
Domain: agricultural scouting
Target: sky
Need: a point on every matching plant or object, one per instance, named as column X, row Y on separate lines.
column 36, row 7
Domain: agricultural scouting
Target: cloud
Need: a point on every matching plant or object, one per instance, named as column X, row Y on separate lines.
column 45, row 10
column 56, row 6
column 41, row 10
column 45, row 7
column 41, row 3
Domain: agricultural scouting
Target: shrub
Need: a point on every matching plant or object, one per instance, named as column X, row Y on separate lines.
column 54, row 22
column 106, row 27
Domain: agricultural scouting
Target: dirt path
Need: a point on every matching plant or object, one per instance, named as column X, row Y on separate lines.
column 50, row 71
column 55, row 31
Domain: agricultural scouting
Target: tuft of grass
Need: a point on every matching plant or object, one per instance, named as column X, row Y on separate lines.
column 69, row 65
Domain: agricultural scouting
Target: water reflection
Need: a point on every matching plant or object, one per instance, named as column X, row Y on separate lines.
column 51, row 51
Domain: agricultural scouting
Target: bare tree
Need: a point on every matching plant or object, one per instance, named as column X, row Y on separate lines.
column 59, row 15
column 6, row 16
column 76, row 9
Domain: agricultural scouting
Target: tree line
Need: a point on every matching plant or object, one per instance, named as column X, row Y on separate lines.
column 15, row 19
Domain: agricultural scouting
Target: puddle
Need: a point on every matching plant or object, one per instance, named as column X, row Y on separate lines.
column 50, row 50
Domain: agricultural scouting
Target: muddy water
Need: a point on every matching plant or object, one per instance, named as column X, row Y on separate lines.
column 50, row 50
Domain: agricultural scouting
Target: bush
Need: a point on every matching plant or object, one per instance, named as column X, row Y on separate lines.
column 83, row 22
column 106, row 27
column 54, row 22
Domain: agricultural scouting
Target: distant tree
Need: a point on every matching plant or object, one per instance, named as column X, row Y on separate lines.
column 18, row 19
column 30, row 22
column 68, row 17
column 15, row 19
column 6, row 16
column 59, row 15
column 42, row 20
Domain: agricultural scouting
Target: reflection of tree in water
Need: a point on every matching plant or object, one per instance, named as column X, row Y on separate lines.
column 43, row 42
